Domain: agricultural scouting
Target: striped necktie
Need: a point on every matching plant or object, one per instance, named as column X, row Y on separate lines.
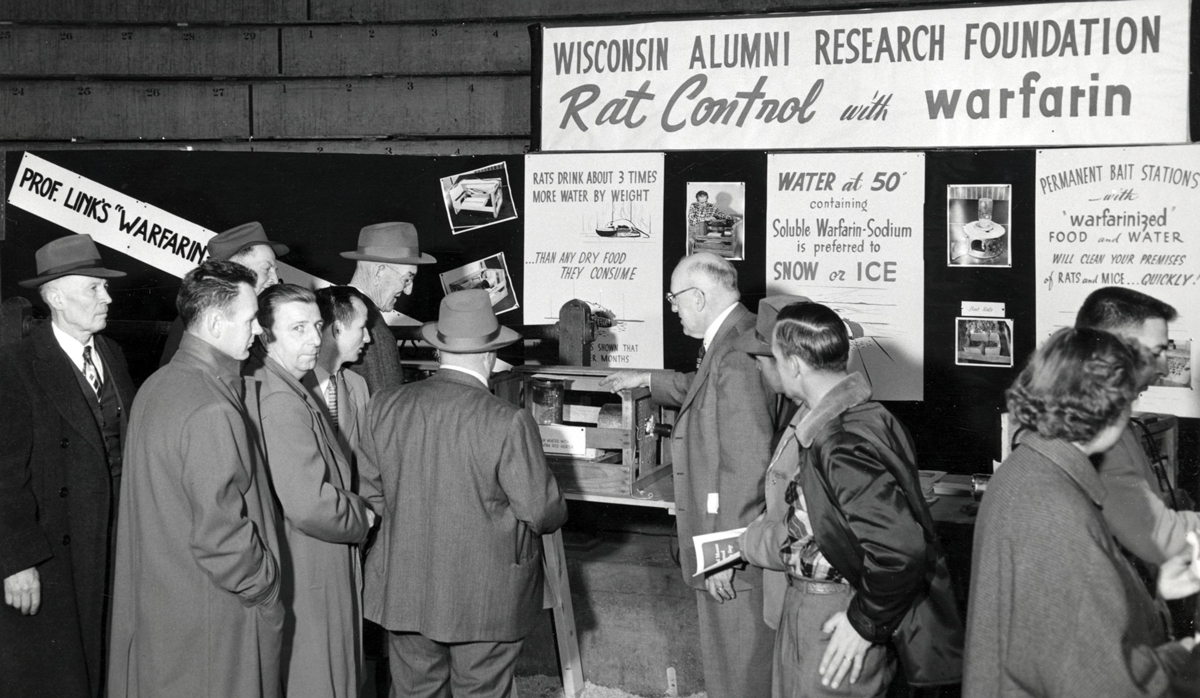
column 90, row 372
column 331, row 400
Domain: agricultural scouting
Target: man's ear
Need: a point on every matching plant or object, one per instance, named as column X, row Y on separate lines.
column 214, row 322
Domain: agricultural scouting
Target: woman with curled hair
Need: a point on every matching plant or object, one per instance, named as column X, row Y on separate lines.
column 1055, row 608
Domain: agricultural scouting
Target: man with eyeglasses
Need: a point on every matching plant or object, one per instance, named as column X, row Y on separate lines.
column 388, row 255
column 720, row 449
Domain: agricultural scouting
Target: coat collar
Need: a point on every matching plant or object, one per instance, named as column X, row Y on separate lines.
column 1073, row 462
column 851, row 391
column 460, row 378
column 198, row 353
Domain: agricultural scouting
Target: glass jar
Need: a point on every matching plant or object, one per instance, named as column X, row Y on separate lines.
column 546, row 400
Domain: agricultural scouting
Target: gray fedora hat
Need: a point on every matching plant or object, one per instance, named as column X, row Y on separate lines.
column 758, row 342
column 224, row 245
column 467, row 324
column 73, row 255
column 391, row 243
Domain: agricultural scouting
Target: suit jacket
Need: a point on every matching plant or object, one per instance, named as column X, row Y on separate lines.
column 1135, row 506
column 55, row 514
column 196, row 608
column 323, row 523
column 380, row 362
column 465, row 495
column 721, row 442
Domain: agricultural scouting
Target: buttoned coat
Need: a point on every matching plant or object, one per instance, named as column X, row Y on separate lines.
column 323, row 524
column 196, row 608
column 55, row 513
column 465, row 495
column 720, row 446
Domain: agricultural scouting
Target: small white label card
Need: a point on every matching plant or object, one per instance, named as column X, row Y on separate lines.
column 982, row 309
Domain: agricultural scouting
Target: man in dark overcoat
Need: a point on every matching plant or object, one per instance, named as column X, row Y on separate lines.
column 64, row 391
column 465, row 495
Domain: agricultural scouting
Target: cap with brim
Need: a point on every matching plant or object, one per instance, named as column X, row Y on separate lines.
column 467, row 324
column 73, row 255
column 390, row 243
column 758, row 342
column 225, row 245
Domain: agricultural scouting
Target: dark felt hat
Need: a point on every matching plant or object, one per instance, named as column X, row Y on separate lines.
column 467, row 324
column 391, row 243
column 73, row 255
column 225, row 245
column 758, row 343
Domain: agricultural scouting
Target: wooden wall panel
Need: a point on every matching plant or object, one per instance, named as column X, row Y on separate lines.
column 62, row 110
column 436, row 107
column 323, row 50
column 131, row 50
column 135, row 11
column 465, row 146
column 534, row 10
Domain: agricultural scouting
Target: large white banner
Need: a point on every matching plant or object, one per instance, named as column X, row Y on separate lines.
column 847, row 230
column 1083, row 73
column 113, row 219
column 1124, row 217
column 593, row 232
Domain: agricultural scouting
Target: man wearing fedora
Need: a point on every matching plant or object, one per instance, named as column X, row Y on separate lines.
column 387, row 258
column 246, row 244
column 66, row 391
column 465, row 495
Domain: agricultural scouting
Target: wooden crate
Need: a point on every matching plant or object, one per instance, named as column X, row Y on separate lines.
column 631, row 457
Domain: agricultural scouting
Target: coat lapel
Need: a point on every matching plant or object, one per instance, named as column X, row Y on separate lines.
column 124, row 387
column 712, row 355
column 56, row 376
column 320, row 415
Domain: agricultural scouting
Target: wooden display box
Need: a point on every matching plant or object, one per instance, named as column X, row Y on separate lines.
column 628, row 457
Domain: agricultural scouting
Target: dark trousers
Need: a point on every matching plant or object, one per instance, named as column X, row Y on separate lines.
column 423, row 668
column 736, row 645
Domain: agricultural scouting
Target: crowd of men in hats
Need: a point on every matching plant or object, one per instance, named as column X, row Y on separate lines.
column 206, row 537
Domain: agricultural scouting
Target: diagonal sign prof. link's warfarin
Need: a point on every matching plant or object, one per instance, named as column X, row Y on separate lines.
column 147, row 233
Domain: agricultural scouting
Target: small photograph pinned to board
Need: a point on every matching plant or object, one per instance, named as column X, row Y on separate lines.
column 979, row 225
column 716, row 219
column 982, row 342
column 478, row 198
column 489, row 274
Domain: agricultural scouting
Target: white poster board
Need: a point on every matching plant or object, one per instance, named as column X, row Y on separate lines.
column 593, row 231
column 847, row 230
column 1124, row 217
column 1079, row 73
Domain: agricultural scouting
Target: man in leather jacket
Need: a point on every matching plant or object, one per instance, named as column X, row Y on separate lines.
column 853, row 533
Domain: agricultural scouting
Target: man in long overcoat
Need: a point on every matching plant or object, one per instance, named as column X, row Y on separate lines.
column 323, row 520
column 720, row 451
column 64, row 391
column 456, row 573
column 196, row 608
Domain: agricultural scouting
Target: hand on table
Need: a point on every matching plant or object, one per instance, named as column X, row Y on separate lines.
column 625, row 380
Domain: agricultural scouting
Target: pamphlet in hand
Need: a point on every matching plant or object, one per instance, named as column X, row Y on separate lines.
column 715, row 550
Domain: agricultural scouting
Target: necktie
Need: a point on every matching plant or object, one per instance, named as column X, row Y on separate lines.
column 700, row 356
column 331, row 400
column 90, row 372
